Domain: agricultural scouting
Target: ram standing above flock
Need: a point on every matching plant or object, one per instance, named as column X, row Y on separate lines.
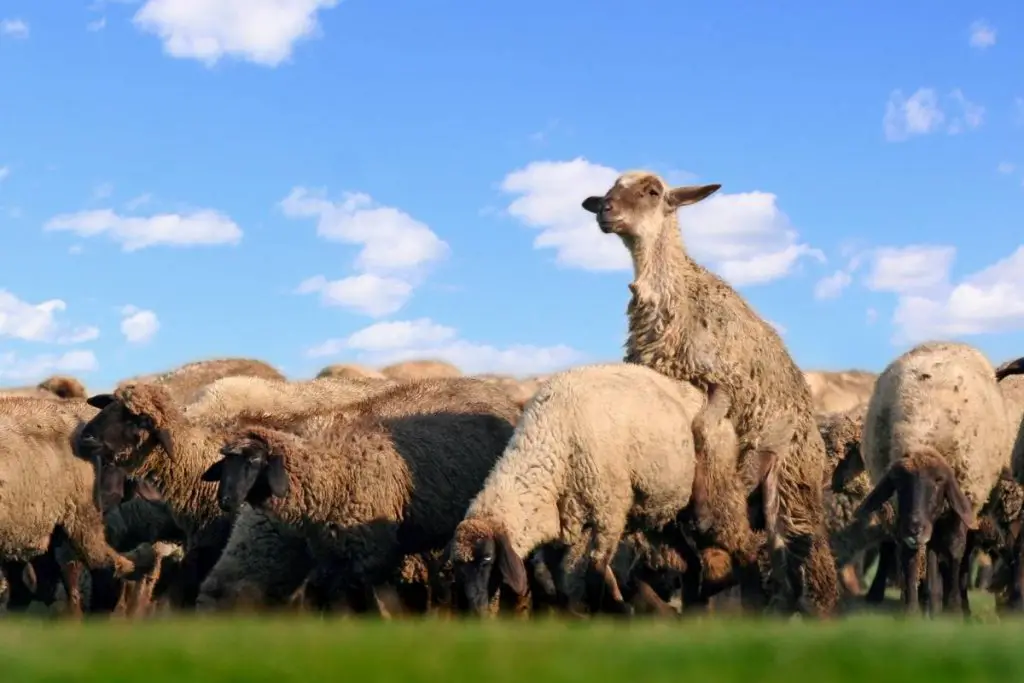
column 705, row 471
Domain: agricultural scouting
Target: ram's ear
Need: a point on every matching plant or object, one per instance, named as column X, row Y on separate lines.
column 213, row 472
column 144, row 490
column 164, row 438
column 277, row 476
column 690, row 194
column 513, row 571
column 959, row 503
column 882, row 492
column 100, row 401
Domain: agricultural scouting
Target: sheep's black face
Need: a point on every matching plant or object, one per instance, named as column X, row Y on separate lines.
column 919, row 499
column 248, row 473
column 476, row 575
column 115, row 434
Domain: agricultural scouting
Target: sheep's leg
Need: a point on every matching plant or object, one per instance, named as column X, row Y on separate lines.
column 70, row 574
column 647, row 599
column 886, row 563
column 573, row 577
column 959, row 568
column 910, row 559
column 86, row 536
column 937, row 583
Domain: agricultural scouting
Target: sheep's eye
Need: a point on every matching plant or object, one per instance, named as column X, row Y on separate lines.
column 254, row 460
column 486, row 559
column 653, row 191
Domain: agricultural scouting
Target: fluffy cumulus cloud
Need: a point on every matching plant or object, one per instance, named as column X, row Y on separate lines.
column 204, row 227
column 924, row 112
column 39, row 322
column 390, row 342
column 16, row 369
column 13, row 28
column 982, row 34
column 137, row 325
column 395, row 250
column 930, row 305
column 744, row 236
column 259, row 31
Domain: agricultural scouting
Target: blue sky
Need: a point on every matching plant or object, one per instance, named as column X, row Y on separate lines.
column 316, row 181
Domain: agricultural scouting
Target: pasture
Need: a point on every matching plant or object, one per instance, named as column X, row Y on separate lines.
column 877, row 648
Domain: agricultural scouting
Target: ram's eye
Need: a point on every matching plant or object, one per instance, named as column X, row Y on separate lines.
column 653, row 192
column 487, row 559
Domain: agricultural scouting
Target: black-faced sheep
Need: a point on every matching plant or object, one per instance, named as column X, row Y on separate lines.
column 689, row 324
column 936, row 437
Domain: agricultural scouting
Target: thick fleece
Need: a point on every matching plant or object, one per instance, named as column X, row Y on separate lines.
column 44, row 484
column 185, row 382
column 941, row 395
column 598, row 446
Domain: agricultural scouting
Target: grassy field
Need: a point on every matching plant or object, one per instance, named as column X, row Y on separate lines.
column 863, row 648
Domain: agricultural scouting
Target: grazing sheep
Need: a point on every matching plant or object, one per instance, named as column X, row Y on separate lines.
column 420, row 369
column 839, row 392
column 935, row 434
column 232, row 396
column 598, row 446
column 245, row 556
column 689, row 324
column 367, row 491
column 348, row 371
column 44, row 486
column 185, row 381
column 57, row 386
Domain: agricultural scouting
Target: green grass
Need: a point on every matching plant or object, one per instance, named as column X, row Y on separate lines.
column 867, row 649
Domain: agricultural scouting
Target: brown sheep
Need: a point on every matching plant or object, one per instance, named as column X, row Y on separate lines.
column 349, row 371
column 185, row 381
column 838, row 392
column 57, row 386
column 420, row 369
column 689, row 324
column 366, row 492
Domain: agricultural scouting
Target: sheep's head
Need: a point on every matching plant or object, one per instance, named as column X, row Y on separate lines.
column 132, row 422
column 922, row 482
column 115, row 486
column 64, row 387
column 477, row 548
column 251, row 470
column 1009, row 368
column 636, row 205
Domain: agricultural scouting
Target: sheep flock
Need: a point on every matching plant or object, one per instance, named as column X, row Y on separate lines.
column 704, row 473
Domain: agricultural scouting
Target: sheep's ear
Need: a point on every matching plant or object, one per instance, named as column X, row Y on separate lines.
column 163, row 437
column 276, row 476
column 690, row 194
column 1013, row 367
column 959, row 503
column 882, row 492
column 100, row 401
column 593, row 204
column 28, row 577
column 513, row 571
column 213, row 472
column 143, row 489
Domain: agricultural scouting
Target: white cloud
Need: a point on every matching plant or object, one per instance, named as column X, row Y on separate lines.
column 135, row 202
column 390, row 342
column 991, row 300
column 259, row 31
column 368, row 294
column 202, row 227
column 97, row 25
column 38, row 322
column 914, row 268
column 982, row 35
column 1006, row 167
column 137, row 325
column 13, row 28
column 395, row 250
column 831, row 286
column 14, row 369
column 922, row 114
column 5, row 172
column 744, row 236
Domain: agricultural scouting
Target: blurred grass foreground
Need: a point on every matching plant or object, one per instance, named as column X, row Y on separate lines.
column 868, row 649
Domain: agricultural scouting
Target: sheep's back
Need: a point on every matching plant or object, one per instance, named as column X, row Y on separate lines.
column 943, row 395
